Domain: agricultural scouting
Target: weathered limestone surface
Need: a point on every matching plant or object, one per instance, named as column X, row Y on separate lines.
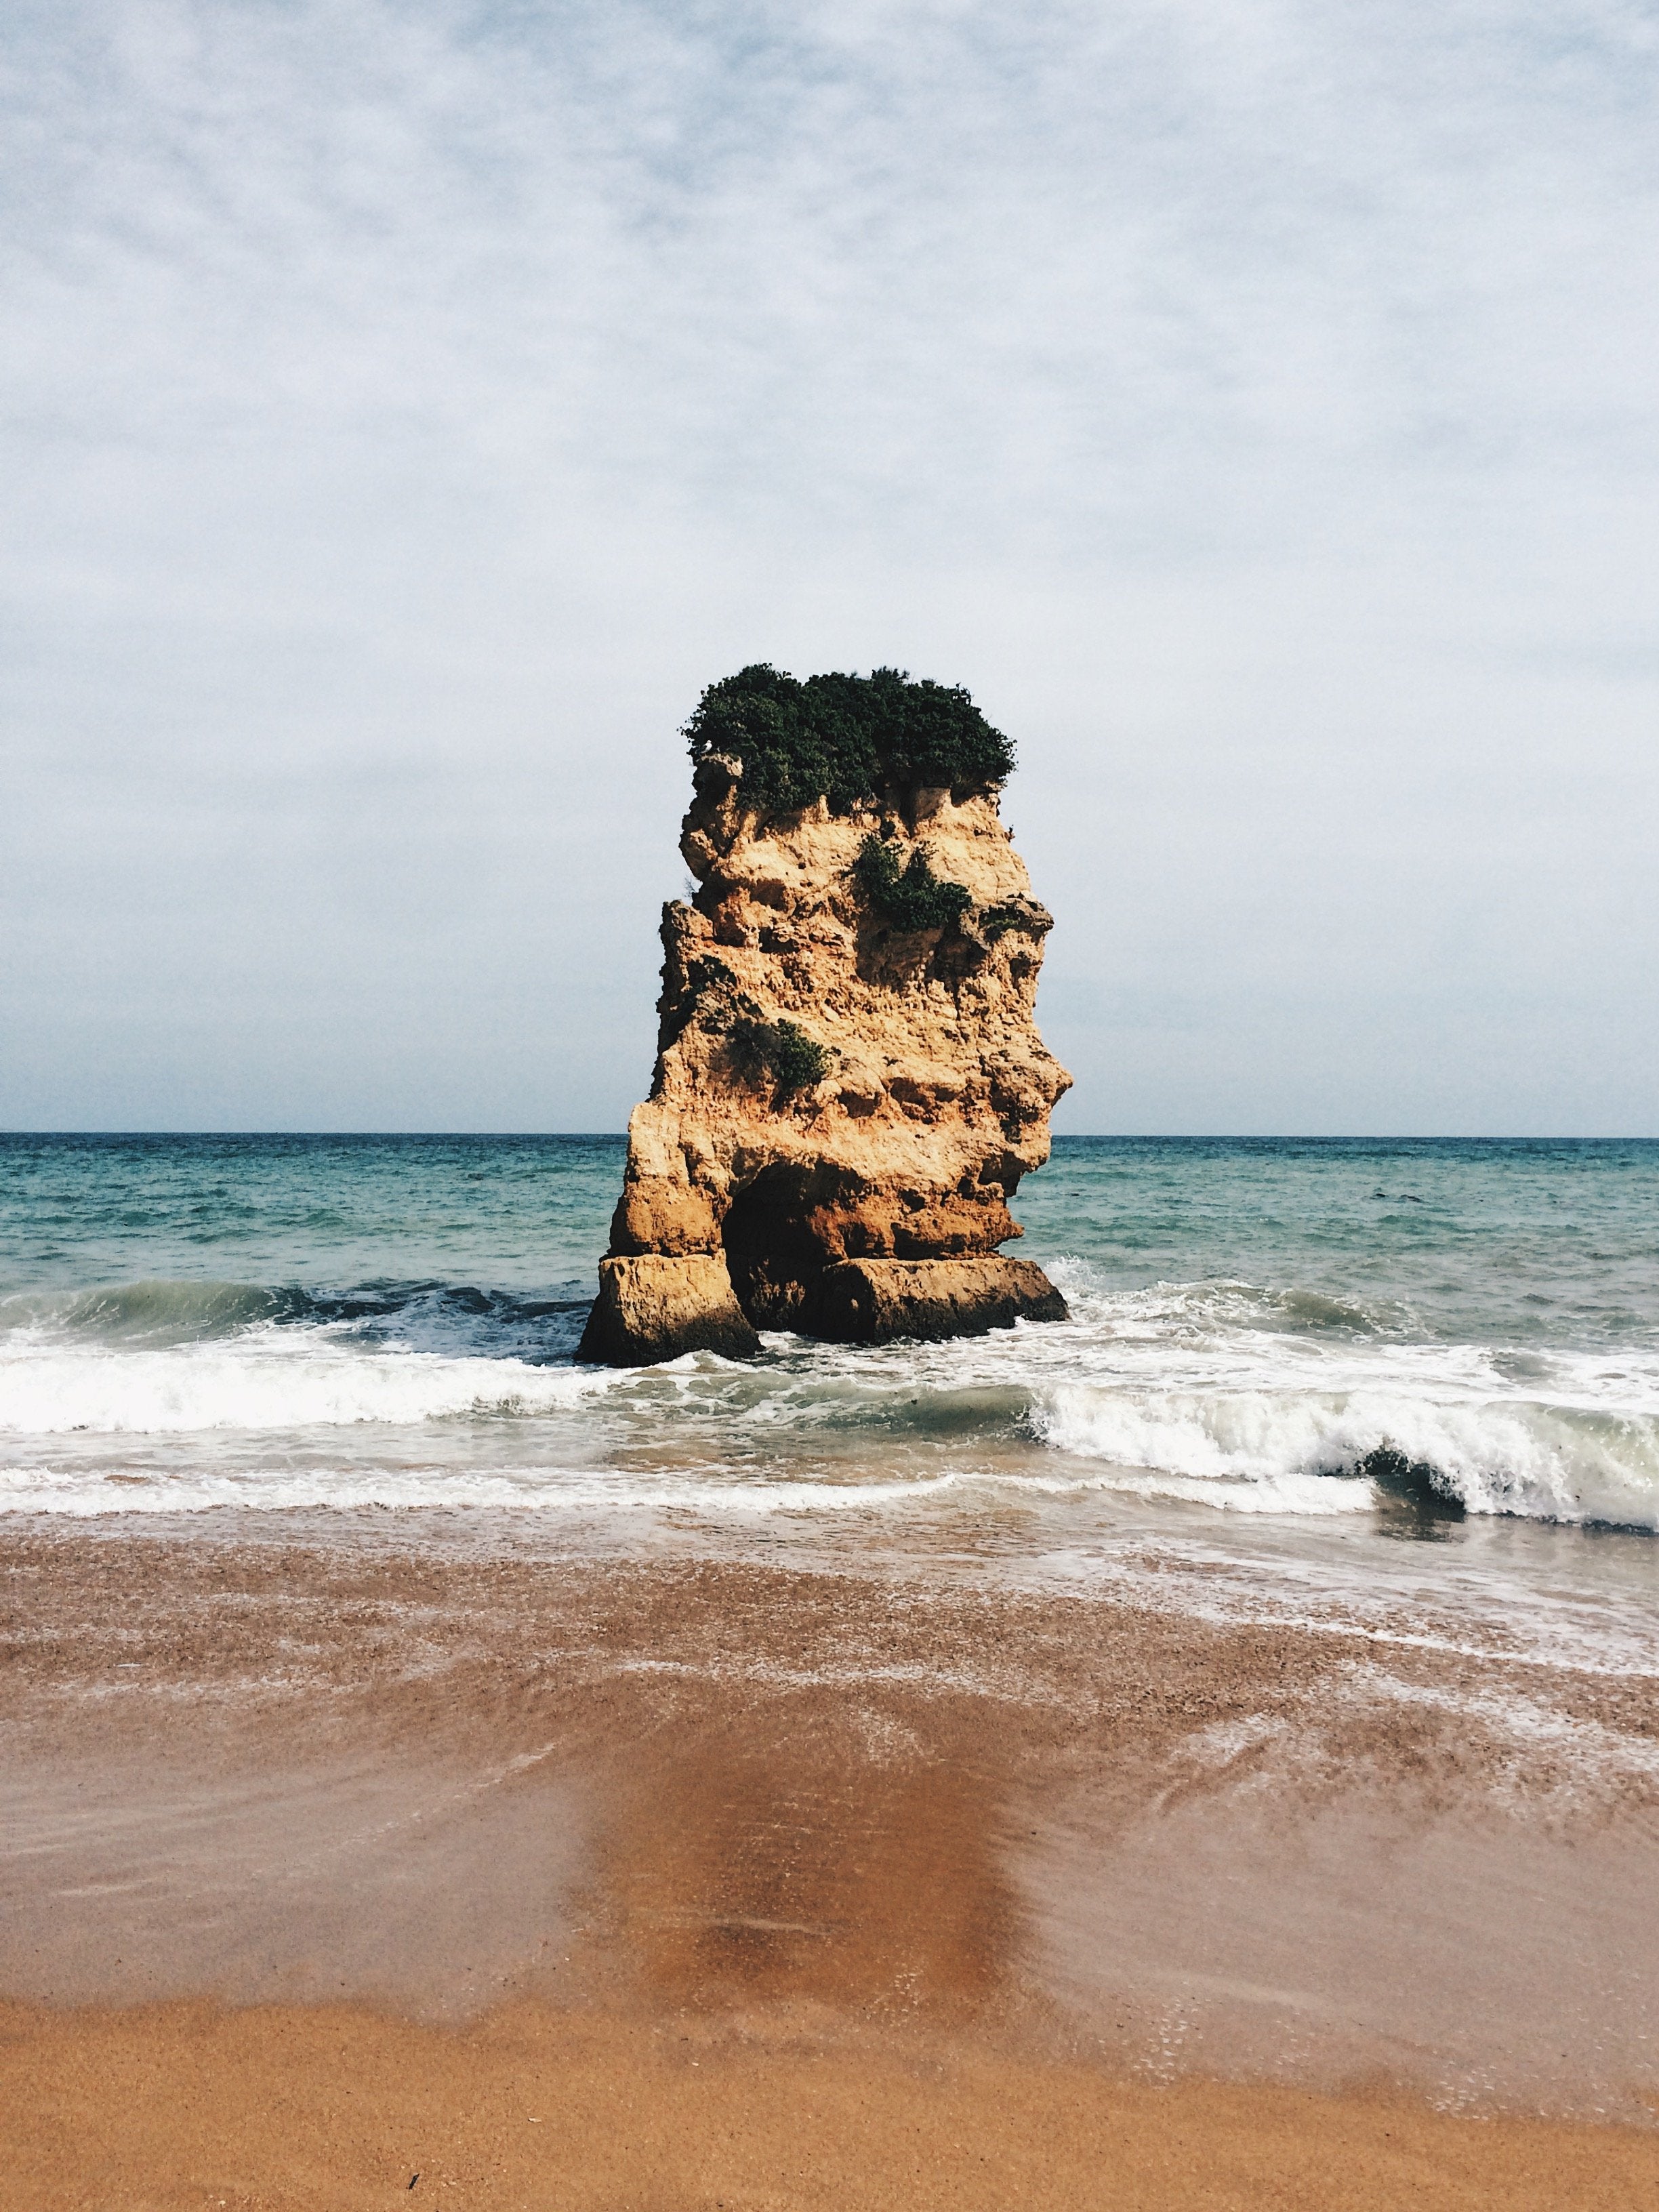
column 871, row 1301
column 865, row 1198
column 653, row 1307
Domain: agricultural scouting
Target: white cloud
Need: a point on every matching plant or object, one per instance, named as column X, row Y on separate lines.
column 407, row 408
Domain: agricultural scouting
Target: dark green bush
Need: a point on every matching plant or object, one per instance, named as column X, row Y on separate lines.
column 913, row 899
column 846, row 738
column 795, row 1059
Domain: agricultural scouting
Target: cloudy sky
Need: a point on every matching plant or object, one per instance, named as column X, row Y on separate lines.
column 407, row 409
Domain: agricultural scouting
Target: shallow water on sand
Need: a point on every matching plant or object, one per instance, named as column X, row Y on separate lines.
column 405, row 1758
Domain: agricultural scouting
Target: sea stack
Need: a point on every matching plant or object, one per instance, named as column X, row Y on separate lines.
column 849, row 1082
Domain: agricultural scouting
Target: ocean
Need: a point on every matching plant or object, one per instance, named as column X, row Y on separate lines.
column 1290, row 1355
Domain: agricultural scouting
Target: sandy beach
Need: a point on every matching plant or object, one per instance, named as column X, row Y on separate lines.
column 669, row 1880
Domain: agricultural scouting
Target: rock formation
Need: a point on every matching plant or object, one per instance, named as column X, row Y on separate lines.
column 849, row 1083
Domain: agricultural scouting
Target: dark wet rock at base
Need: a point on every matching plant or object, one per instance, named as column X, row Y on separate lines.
column 878, row 1301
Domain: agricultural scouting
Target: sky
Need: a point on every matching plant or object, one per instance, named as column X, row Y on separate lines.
column 406, row 410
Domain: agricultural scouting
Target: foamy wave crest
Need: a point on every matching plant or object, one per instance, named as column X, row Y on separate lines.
column 90, row 1492
column 156, row 1310
column 265, row 1378
column 1287, row 1450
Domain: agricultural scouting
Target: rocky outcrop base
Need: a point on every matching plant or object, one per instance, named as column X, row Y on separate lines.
column 879, row 1301
column 654, row 1308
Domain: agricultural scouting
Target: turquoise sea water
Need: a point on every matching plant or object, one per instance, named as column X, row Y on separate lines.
column 1404, row 1335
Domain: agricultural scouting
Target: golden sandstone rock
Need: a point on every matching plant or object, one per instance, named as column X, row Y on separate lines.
column 849, row 1082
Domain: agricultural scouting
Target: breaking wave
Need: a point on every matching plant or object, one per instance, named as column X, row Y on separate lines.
column 1248, row 1398
column 1298, row 1450
column 1265, row 1399
column 175, row 1357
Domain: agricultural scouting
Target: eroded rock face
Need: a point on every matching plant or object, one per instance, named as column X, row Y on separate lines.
column 844, row 1102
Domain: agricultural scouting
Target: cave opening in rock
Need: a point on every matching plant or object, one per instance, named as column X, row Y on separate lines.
column 772, row 1256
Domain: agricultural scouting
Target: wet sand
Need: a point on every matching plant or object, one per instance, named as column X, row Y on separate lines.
column 311, row 2110
column 661, row 1881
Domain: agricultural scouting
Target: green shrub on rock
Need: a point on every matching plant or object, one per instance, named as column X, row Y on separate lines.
column 911, row 898
column 795, row 1059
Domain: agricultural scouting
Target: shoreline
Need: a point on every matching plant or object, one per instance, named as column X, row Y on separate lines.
column 861, row 1830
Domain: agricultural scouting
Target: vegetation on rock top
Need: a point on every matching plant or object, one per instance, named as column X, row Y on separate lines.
column 846, row 738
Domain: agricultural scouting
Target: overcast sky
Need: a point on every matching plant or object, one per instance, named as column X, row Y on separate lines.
column 408, row 408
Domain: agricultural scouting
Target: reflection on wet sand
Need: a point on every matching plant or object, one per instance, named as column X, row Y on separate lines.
column 760, row 1817
column 792, row 1870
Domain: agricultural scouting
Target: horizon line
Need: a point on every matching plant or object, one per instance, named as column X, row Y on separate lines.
column 1060, row 1136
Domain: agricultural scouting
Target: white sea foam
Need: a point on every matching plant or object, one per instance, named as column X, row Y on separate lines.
column 1289, row 1446
column 1250, row 1400
column 1183, row 1385
column 267, row 1378
column 87, row 1491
